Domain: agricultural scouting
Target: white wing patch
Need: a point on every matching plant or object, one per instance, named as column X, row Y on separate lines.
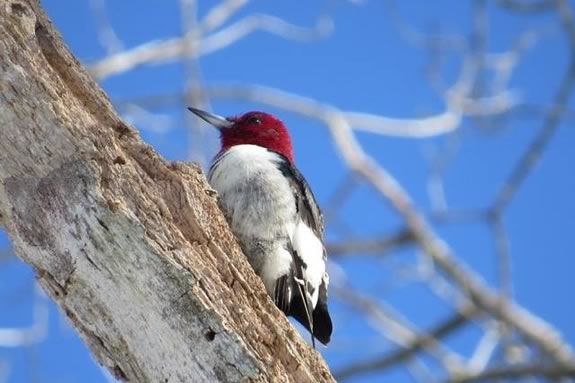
column 310, row 249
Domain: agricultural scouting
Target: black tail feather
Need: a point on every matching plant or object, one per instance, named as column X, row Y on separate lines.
column 322, row 326
column 307, row 306
column 291, row 295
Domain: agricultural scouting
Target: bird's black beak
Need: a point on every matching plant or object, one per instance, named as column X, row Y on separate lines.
column 213, row 119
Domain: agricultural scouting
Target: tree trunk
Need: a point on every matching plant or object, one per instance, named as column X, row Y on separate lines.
column 133, row 249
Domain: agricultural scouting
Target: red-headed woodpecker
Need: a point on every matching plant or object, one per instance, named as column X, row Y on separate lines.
column 273, row 213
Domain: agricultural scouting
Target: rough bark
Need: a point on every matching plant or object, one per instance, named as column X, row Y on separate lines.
column 133, row 249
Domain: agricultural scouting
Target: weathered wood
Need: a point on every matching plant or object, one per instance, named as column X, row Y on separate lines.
column 133, row 249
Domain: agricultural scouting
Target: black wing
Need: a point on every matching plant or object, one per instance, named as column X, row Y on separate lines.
column 306, row 205
column 293, row 285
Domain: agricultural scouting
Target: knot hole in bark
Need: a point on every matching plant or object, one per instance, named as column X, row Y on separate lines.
column 25, row 15
column 210, row 335
column 19, row 9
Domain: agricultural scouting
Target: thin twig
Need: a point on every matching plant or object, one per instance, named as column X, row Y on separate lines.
column 385, row 244
column 552, row 372
column 393, row 358
column 532, row 155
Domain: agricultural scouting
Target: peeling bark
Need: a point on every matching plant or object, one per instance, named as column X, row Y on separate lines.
column 133, row 249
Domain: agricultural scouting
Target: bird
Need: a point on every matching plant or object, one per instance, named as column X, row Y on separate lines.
column 272, row 211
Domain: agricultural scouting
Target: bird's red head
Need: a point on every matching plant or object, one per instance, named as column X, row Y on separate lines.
column 251, row 128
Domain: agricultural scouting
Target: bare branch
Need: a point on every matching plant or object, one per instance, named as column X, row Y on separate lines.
column 528, row 6
column 398, row 330
column 423, row 341
column 172, row 49
column 553, row 372
column 370, row 246
column 424, row 127
column 504, row 276
column 533, row 153
column 106, row 35
column 218, row 15
column 192, row 73
column 413, row 128
column 485, row 348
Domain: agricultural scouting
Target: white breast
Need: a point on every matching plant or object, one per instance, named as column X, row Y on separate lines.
column 254, row 193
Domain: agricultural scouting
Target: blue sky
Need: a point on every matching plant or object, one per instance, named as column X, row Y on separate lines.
column 363, row 66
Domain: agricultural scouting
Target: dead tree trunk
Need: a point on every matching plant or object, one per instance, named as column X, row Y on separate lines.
column 133, row 249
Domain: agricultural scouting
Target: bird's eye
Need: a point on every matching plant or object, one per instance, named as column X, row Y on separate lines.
column 254, row 121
